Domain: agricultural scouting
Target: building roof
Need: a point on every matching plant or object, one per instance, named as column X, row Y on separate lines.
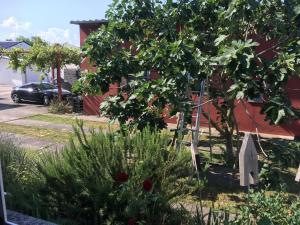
column 80, row 22
column 9, row 44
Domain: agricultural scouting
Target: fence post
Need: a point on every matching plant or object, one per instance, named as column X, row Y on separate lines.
column 248, row 162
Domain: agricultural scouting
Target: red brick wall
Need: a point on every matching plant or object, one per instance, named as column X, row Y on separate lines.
column 91, row 103
column 85, row 30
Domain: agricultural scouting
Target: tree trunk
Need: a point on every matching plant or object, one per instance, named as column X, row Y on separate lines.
column 59, row 84
column 229, row 149
column 53, row 76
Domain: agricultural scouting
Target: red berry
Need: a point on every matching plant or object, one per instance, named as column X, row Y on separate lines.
column 147, row 185
column 131, row 222
column 122, row 177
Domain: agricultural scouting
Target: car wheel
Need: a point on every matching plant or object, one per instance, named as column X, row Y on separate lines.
column 16, row 98
column 46, row 100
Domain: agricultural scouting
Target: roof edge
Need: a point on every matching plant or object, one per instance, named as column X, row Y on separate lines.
column 13, row 43
column 80, row 22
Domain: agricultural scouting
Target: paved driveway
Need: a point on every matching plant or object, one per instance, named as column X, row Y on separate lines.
column 10, row 111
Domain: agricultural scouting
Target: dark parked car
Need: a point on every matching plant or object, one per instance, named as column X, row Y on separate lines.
column 37, row 92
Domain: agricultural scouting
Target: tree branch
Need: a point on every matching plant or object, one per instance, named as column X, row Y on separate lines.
column 213, row 123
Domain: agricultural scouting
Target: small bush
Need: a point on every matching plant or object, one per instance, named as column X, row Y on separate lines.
column 59, row 107
column 115, row 179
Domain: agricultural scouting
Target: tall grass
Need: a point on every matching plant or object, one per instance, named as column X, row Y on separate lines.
column 18, row 176
column 12, row 159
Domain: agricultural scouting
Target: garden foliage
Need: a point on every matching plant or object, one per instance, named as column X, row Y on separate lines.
column 162, row 47
column 281, row 156
column 270, row 209
column 112, row 178
column 130, row 178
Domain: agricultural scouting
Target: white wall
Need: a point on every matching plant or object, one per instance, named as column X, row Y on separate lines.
column 15, row 78
column 33, row 76
column 8, row 76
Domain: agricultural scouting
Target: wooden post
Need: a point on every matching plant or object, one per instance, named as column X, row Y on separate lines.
column 3, row 214
column 59, row 77
column 248, row 162
column 297, row 179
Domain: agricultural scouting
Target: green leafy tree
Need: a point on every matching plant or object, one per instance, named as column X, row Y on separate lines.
column 42, row 57
column 29, row 41
column 186, row 41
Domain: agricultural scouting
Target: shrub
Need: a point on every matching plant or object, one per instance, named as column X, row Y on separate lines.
column 113, row 178
column 59, row 107
column 273, row 209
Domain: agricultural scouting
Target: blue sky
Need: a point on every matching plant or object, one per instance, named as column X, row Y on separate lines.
column 49, row 19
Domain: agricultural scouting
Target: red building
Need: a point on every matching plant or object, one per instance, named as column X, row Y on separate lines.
column 248, row 115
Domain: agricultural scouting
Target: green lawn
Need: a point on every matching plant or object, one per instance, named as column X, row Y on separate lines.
column 38, row 132
column 68, row 121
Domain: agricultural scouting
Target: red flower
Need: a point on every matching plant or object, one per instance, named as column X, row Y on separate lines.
column 122, row 177
column 131, row 222
column 147, row 185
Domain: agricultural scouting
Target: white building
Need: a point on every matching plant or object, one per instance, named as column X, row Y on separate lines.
column 15, row 78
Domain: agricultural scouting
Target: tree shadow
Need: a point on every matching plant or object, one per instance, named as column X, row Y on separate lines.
column 221, row 179
column 4, row 106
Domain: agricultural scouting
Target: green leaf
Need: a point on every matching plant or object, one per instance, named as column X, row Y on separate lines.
column 283, row 70
column 233, row 87
column 240, row 95
column 281, row 114
column 220, row 39
column 297, row 10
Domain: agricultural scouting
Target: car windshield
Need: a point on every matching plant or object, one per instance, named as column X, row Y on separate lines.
column 44, row 86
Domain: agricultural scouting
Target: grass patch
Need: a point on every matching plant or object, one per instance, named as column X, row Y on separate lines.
column 68, row 121
column 38, row 132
